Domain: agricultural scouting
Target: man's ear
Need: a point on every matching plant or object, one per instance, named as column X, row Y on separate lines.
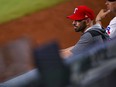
column 88, row 20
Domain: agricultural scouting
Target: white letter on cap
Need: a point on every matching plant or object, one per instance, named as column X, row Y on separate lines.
column 75, row 10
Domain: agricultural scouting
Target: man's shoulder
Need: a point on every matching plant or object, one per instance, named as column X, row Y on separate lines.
column 113, row 21
column 95, row 31
column 99, row 32
column 86, row 36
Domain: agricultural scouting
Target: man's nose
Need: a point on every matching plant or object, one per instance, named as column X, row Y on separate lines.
column 73, row 22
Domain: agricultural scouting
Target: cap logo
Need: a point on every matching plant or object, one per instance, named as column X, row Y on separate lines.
column 75, row 10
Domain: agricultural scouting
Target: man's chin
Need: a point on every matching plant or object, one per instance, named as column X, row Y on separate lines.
column 76, row 30
column 108, row 8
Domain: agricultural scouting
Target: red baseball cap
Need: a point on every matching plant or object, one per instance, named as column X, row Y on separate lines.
column 82, row 12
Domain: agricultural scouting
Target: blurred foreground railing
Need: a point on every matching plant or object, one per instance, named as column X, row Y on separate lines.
column 93, row 68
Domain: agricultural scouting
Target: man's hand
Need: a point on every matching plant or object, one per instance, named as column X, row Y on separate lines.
column 101, row 15
column 65, row 53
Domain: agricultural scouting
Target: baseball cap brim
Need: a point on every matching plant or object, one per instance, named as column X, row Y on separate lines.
column 75, row 17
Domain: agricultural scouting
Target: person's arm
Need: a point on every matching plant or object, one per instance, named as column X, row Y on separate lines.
column 101, row 15
column 65, row 53
column 84, row 43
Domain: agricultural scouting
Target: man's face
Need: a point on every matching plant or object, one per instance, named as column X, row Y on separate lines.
column 111, row 5
column 79, row 25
